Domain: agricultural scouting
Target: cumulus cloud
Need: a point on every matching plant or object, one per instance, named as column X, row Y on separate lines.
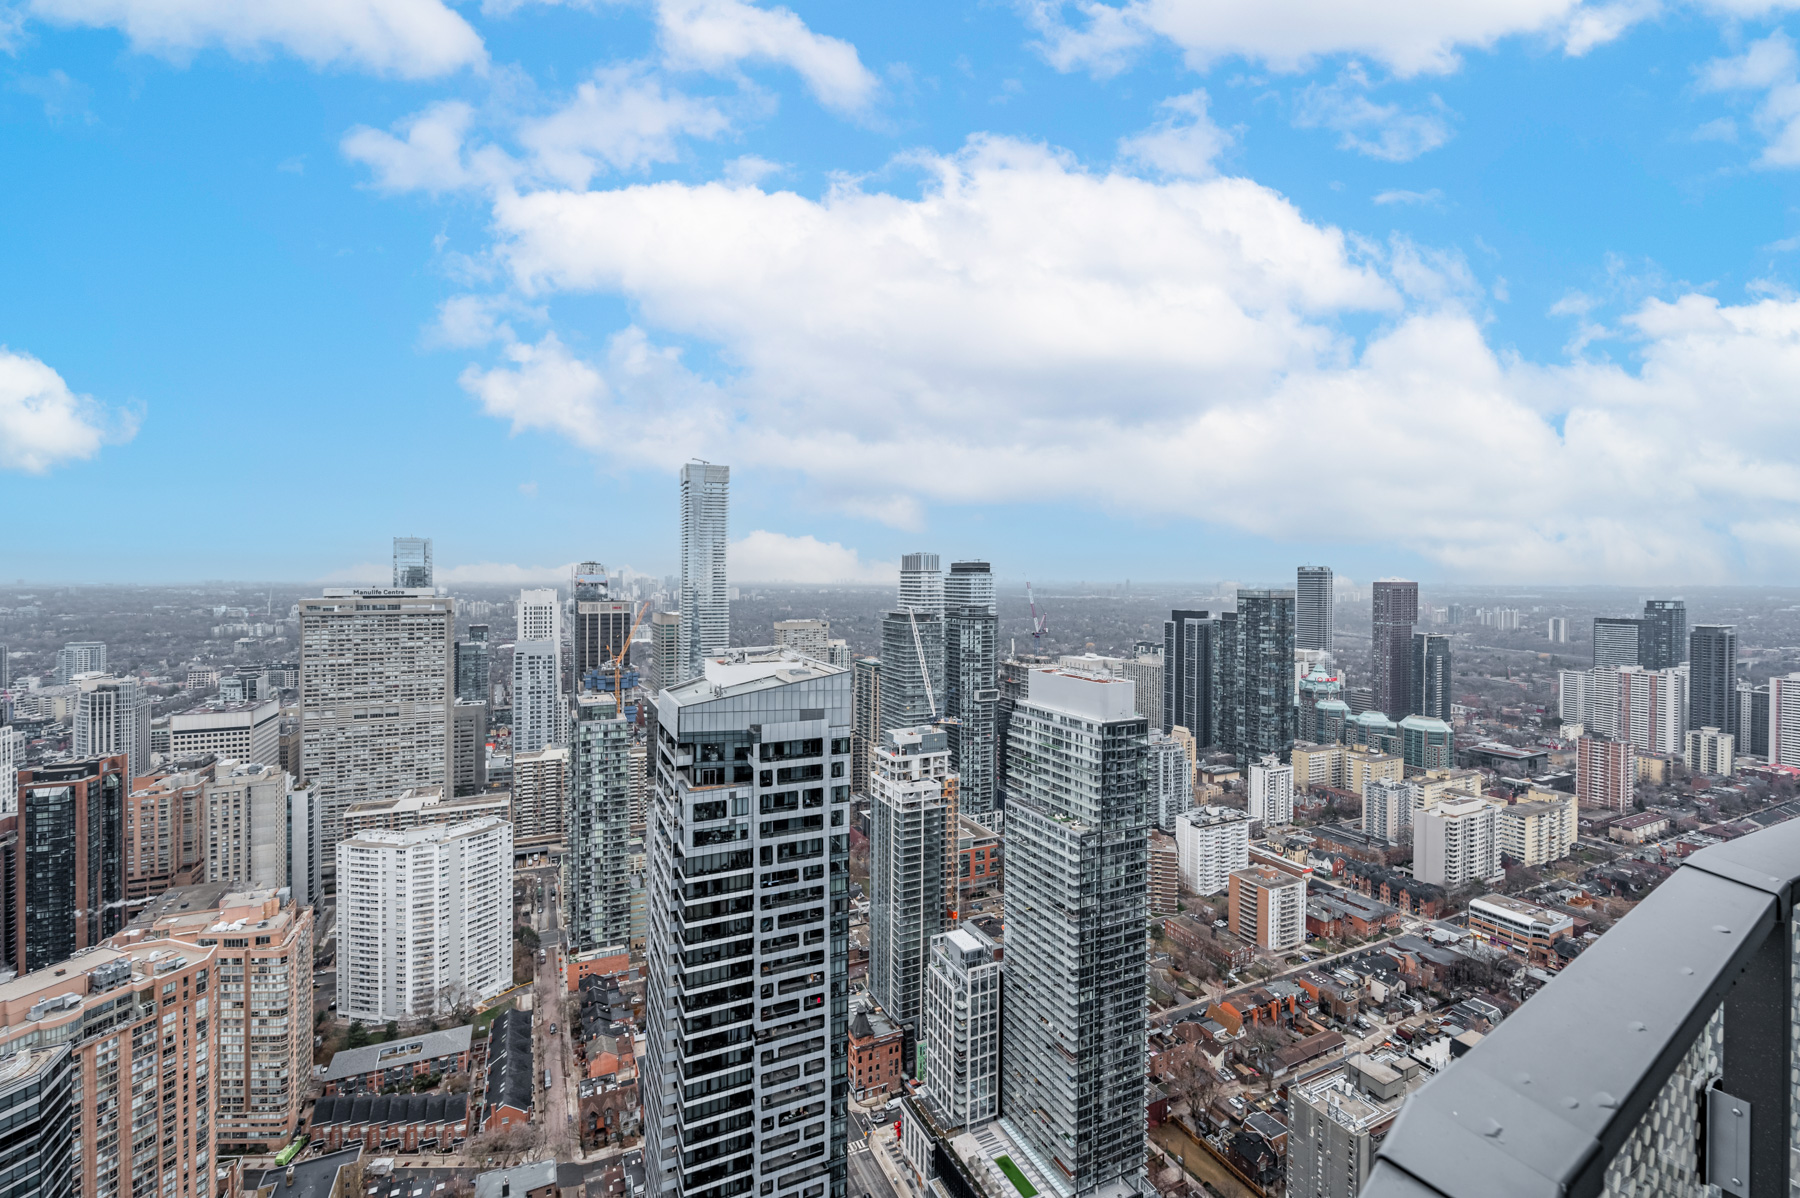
column 717, row 35
column 765, row 556
column 622, row 118
column 43, row 424
column 1409, row 37
column 1029, row 329
column 1384, row 131
column 1772, row 67
column 413, row 39
column 430, row 154
column 1184, row 141
column 505, row 573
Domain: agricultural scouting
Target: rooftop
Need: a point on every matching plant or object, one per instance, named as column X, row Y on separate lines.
column 353, row 1062
column 738, row 671
column 406, row 837
column 517, row 1181
column 315, row 1178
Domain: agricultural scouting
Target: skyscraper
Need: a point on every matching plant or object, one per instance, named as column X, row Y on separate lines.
column 1077, row 823
column 412, row 562
column 112, row 715
column 910, row 788
column 1665, row 635
column 865, row 719
column 537, row 672
column 69, row 863
column 962, row 1027
column 665, row 650
column 596, row 878
column 1253, row 677
column 1188, row 671
column 971, row 683
column 472, row 668
column 912, row 668
column 1396, row 610
column 1712, row 679
column 602, row 628
column 746, row 766
column 77, row 658
column 1313, row 612
column 921, row 583
column 376, row 692
column 705, row 598
column 1429, row 676
column 1618, row 641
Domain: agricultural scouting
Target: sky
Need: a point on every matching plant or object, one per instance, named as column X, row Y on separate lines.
column 1494, row 291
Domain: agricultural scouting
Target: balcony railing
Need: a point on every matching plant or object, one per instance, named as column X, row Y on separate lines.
column 1661, row 1061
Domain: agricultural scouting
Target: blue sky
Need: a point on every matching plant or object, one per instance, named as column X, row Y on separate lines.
column 1161, row 289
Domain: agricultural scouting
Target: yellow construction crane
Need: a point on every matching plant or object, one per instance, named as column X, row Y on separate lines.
column 618, row 661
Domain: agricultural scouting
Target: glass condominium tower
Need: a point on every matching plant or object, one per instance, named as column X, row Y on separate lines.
column 705, row 599
column 1077, row 856
column 412, row 562
column 1313, row 612
column 971, row 683
column 747, row 941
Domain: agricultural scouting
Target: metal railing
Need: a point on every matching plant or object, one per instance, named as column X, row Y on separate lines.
column 1659, row 1062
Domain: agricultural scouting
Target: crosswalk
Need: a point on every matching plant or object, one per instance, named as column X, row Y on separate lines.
column 859, row 1147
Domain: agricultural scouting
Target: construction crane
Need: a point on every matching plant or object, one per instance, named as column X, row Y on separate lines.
column 1039, row 624
column 618, row 661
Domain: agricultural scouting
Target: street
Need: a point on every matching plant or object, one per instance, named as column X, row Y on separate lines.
column 866, row 1180
column 562, row 1099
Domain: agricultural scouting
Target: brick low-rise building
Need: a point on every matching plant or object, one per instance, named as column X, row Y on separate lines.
column 877, row 1066
column 391, row 1122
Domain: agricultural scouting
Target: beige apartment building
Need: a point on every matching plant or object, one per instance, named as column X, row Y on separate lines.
column 165, row 831
column 264, row 1010
column 141, row 1021
column 540, row 792
column 424, row 805
column 241, row 731
column 1267, row 905
column 1542, row 828
column 377, row 688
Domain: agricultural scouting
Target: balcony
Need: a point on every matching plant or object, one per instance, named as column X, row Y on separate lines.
column 1658, row 1062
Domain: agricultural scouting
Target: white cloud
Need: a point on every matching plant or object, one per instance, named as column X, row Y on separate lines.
column 765, row 556
column 413, row 39
column 717, row 35
column 43, row 424
column 506, row 573
column 1772, row 67
column 1030, row 331
column 1409, row 37
column 623, row 119
column 1401, row 196
column 1184, row 142
column 430, row 157
column 1384, row 131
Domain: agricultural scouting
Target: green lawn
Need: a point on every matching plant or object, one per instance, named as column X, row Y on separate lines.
column 482, row 1020
column 1014, row 1175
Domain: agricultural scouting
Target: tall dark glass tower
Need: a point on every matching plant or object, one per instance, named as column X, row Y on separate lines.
column 1618, row 641
column 1188, row 674
column 971, row 683
column 1312, row 609
column 1665, row 637
column 71, row 852
column 1712, row 679
column 1430, row 676
column 472, row 666
column 1396, row 610
column 1253, row 693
